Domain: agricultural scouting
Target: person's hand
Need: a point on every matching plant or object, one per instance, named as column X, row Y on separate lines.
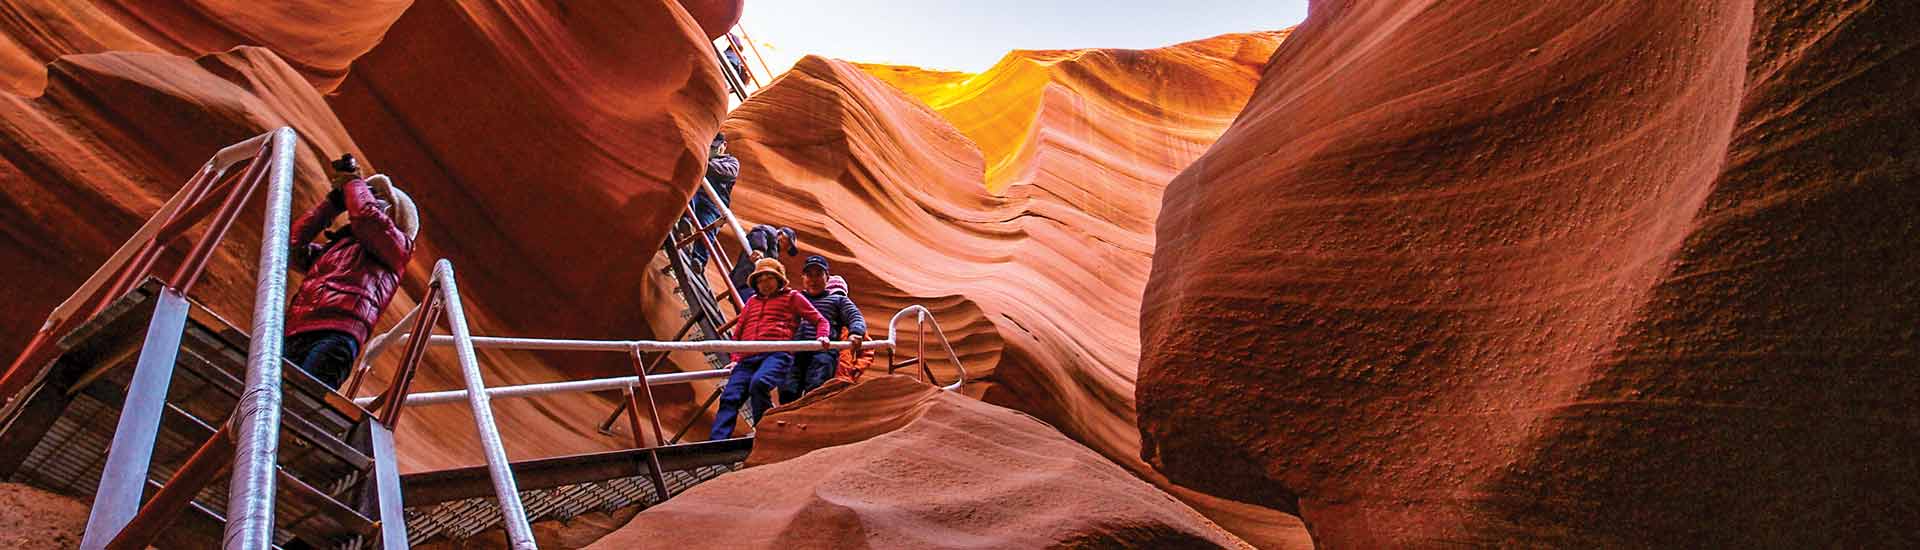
column 826, row 343
column 856, row 339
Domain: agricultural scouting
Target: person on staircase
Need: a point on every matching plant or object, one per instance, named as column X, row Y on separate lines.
column 763, row 241
column 855, row 362
column 722, row 171
column 813, row 368
column 352, row 276
column 775, row 313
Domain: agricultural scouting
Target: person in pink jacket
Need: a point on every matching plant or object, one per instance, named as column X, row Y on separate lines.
column 773, row 313
column 351, row 277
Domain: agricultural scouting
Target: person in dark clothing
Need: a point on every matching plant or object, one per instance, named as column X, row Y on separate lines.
column 763, row 241
column 351, row 277
column 813, row 368
column 722, row 171
column 775, row 313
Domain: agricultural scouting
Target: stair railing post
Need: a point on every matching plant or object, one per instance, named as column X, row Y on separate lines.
column 256, row 418
column 519, row 532
column 123, row 478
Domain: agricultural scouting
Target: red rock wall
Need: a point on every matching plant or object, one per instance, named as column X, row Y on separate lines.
column 319, row 38
column 1036, row 283
column 1631, row 274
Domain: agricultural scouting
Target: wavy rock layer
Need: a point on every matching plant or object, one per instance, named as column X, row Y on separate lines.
column 896, row 463
column 1624, row 275
column 316, row 37
column 532, row 140
column 1038, row 284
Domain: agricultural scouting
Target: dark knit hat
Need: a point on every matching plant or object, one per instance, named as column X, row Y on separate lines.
column 817, row 260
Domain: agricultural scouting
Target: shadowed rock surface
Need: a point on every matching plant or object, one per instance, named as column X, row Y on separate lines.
column 1572, row 275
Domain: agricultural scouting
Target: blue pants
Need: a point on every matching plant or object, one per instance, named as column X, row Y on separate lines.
column 753, row 381
column 325, row 354
column 811, row 369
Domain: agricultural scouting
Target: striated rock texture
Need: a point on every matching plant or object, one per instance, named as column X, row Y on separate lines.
column 1037, row 283
column 533, row 140
column 316, row 37
column 895, row 463
column 1575, row 275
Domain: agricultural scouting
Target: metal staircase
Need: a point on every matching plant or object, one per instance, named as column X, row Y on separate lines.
column 327, row 471
column 137, row 396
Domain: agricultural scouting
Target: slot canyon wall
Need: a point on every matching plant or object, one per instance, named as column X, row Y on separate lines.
column 1563, row 274
column 1017, row 204
column 531, row 139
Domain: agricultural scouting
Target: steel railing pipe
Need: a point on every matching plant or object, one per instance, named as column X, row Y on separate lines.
column 256, row 418
column 519, row 532
column 569, row 386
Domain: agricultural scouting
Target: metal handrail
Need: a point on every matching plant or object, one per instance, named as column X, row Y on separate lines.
column 923, row 317
column 444, row 290
column 519, row 532
column 256, row 417
column 135, row 258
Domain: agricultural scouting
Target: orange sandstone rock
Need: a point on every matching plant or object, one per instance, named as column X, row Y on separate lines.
column 895, row 463
column 1568, row 275
column 1036, row 283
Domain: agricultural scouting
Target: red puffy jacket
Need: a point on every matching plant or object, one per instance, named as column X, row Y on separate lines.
column 776, row 318
column 352, row 277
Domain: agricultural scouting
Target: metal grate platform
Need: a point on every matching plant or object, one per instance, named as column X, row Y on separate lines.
column 57, row 438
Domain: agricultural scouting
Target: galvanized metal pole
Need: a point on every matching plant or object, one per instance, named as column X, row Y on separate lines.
column 124, row 476
column 256, row 419
column 519, row 533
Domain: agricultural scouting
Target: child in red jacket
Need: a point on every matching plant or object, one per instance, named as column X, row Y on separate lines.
column 773, row 313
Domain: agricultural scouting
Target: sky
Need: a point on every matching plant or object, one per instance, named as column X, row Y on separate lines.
column 970, row 35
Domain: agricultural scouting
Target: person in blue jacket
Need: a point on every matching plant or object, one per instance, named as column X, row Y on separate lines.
column 813, row 368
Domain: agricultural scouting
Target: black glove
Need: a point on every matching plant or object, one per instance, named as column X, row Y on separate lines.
column 337, row 198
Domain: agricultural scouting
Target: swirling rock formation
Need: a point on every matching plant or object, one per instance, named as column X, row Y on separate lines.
column 316, row 37
column 1038, row 282
column 1572, row 275
column 895, row 463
